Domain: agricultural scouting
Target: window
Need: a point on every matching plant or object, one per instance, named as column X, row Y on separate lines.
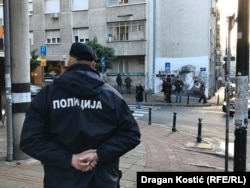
column 120, row 66
column 30, row 7
column 53, row 37
column 51, row 6
column 110, row 3
column 141, row 61
column 31, row 38
column 122, row 1
column 123, row 65
column 80, row 5
column 126, row 66
column 122, row 33
column 1, row 15
column 1, row 38
column 81, row 35
column 126, row 31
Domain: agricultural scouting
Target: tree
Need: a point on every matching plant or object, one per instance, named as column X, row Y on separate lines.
column 102, row 51
column 34, row 63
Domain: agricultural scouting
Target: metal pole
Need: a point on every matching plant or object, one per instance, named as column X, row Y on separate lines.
column 174, row 122
column 242, row 67
column 8, row 81
column 218, row 99
column 230, row 20
column 145, row 96
column 154, row 44
column 149, row 116
column 199, row 138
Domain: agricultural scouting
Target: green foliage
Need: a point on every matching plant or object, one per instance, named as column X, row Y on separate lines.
column 102, row 51
column 34, row 63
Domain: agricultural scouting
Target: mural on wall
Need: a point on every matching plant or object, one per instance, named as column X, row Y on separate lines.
column 192, row 71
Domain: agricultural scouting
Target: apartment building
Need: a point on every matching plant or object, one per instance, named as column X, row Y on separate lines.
column 151, row 38
column 116, row 24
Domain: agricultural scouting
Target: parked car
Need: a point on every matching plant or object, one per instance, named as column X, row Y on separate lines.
column 34, row 89
column 232, row 89
column 232, row 107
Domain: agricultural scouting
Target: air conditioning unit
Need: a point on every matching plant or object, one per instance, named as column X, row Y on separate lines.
column 55, row 15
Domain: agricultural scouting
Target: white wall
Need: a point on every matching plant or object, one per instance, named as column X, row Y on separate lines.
column 199, row 64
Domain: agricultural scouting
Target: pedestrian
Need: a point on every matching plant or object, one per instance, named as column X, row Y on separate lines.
column 168, row 86
column 163, row 89
column 202, row 93
column 128, row 81
column 178, row 89
column 139, row 95
column 78, row 127
column 119, row 83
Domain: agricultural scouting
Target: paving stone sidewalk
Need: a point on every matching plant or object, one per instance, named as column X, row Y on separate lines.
column 161, row 149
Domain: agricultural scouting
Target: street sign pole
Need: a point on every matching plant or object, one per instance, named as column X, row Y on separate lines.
column 230, row 20
column 8, row 82
column 103, row 64
column 43, row 59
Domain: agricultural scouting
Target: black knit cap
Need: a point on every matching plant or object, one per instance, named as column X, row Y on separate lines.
column 82, row 51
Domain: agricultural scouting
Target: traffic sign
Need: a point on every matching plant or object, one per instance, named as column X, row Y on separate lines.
column 43, row 61
column 103, row 61
column 43, row 51
column 167, row 66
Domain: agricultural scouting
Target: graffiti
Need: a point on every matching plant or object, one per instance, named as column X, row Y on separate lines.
column 192, row 74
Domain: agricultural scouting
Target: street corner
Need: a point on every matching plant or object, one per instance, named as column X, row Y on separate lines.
column 199, row 145
column 206, row 147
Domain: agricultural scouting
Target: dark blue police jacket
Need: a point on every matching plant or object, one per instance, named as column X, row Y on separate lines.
column 78, row 112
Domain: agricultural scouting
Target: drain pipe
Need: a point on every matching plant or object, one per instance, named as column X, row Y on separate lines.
column 8, row 81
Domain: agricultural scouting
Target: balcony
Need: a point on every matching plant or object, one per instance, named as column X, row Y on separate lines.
column 128, row 48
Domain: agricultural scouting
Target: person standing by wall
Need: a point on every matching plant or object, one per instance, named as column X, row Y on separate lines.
column 119, row 83
column 168, row 87
column 178, row 89
column 79, row 127
column 202, row 93
column 139, row 95
column 128, row 81
column 164, row 87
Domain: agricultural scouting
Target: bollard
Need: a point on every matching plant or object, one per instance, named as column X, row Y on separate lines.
column 199, row 130
column 146, row 97
column 174, row 122
column 149, row 116
column 218, row 99
column 188, row 99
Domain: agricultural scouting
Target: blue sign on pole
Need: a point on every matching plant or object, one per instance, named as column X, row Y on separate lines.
column 43, row 51
column 103, row 61
column 167, row 66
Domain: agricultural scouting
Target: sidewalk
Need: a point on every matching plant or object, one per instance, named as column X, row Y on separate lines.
column 161, row 149
column 151, row 99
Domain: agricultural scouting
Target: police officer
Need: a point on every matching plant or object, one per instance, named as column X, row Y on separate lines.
column 79, row 127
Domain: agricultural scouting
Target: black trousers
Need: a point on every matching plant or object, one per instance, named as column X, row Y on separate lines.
column 203, row 97
column 168, row 96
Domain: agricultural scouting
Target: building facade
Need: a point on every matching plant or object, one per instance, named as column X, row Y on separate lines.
column 151, row 38
column 184, row 43
column 116, row 24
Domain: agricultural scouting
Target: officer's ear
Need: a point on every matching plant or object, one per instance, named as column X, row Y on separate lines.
column 93, row 65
